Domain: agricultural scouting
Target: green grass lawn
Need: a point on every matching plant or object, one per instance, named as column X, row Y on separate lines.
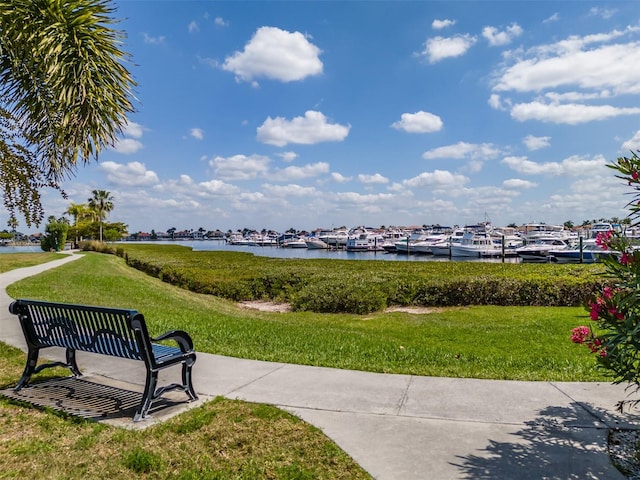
column 222, row 439
column 11, row 261
column 519, row 343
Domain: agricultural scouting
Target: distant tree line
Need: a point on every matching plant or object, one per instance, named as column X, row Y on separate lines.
column 88, row 223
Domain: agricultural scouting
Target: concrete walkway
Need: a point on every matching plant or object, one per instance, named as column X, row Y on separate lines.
column 409, row 427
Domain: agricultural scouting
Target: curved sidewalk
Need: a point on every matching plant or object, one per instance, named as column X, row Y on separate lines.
column 408, row 427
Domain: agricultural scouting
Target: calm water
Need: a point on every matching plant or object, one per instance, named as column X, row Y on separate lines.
column 276, row 252
column 29, row 249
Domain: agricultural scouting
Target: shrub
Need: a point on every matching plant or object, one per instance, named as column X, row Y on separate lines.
column 614, row 336
column 55, row 235
column 97, row 246
column 338, row 297
column 328, row 285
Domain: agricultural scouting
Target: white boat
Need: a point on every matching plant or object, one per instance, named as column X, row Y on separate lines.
column 294, row 243
column 600, row 228
column 475, row 244
column 237, row 239
column 392, row 236
column 444, row 248
column 434, row 238
column 365, row 242
column 335, row 238
column 316, row 244
column 405, row 245
column 591, row 252
column 261, row 240
column 536, row 231
column 538, row 251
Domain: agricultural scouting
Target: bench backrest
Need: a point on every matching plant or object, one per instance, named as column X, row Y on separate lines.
column 102, row 330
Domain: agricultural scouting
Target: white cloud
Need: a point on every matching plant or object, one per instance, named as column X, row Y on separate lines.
column 517, row 183
column 193, row 27
column 571, row 114
column 495, row 102
column 152, row 40
column 287, row 156
column 497, row 38
column 184, row 188
column 439, row 48
column 308, row 130
column 210, row 62
column 633, row 143
column 474, row 166
column 364, row 200
column 536, row 143
column 528, row 167
column 291, row 190
column 372, row 179
column 217, row 187
column 578, row 200
column 556, row 97
column 571, row 166
column 275, row 54
column 197, row 133
column 566, row 64
column 440, row 24
column 297, row 173
column 437, row 178
column 133, row 129
column 220, row 22
column 419, row 122
column 463, row 150
column 133, row 174
column 240, row 167
column 127, row 146
column 553, row 18
column 605, row 13
column 339, row 178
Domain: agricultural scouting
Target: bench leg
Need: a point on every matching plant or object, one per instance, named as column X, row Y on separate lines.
column 29, row 369
column 71, row 362
column 147, row 396
column 186, row 380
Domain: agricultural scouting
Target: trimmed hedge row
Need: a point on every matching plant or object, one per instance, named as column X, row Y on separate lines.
column 334, row 286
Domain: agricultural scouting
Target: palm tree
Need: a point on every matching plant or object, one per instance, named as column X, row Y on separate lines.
column 65, row 93
column 101, row 203
column 79, row 211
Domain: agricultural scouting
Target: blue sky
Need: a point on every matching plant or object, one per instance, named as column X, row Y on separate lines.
column 321, row 114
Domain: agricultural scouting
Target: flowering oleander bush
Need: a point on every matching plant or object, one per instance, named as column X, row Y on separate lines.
column 614, row 333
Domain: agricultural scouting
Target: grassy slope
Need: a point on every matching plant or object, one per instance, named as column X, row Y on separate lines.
column 525, row 343
column 10, row 261
column 223, row 439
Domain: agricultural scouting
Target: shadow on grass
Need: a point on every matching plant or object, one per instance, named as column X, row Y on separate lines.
column 561, row 443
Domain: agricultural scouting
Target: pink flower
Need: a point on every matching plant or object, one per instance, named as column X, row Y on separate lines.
column 595, row 312
column 634, row 175
column 607, row 292
column 580, row 334
column 603, row 238
column 625, row 259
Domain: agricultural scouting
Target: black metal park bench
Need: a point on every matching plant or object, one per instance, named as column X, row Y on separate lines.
column 108, row 331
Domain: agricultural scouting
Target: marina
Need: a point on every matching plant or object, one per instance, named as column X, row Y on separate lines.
column 480, row 242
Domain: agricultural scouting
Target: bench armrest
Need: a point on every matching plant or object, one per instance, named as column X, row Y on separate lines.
column 181, row 337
